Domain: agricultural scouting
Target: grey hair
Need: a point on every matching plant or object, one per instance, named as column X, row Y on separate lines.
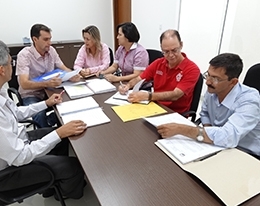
column 4, row 54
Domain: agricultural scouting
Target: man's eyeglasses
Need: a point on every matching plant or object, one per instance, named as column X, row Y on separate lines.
column 173, row 51
column 215, row 80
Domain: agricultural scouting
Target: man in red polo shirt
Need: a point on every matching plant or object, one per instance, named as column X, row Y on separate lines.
column 174, row 76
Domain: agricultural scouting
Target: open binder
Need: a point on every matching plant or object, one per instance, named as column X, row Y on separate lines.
column 85, row 109
column 231, row 174
column 93, row 86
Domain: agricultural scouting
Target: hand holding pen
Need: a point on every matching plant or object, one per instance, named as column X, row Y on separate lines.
column 54, row 99
column 123, row 88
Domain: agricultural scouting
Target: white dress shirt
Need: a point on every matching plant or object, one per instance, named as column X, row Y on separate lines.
column 13, row 138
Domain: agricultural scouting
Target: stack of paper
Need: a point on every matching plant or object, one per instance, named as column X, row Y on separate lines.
column 78, row 91
column 183, row 148
column 85, row 109
column 100, row 86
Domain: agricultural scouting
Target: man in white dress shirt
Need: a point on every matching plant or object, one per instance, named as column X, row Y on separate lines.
column 18, row 147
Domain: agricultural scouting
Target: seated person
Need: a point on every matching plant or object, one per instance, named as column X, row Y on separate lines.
column 34, row 61
column 93, row 56
column 19, row 147
column 229, row 112
column 130, row 57
column 174, row 76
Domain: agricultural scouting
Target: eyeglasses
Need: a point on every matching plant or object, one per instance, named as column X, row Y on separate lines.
column 173, row 51
column 215, row 80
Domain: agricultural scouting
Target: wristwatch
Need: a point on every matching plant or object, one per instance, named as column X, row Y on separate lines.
column 200, row 137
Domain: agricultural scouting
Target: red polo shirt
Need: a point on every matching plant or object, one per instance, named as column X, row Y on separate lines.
column 184, row 76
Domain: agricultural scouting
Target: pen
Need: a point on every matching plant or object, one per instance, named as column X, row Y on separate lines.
column 60, row 94
column 121, row 83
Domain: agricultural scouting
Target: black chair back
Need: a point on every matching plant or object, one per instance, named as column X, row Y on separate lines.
column 19, row 194
column 153, row 54
column 111, row 56
column 195, row 100
column 13, row 82
column 252, row 77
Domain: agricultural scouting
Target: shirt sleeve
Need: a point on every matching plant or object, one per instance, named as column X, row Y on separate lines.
column 23, row 62
column 189, row 79
column 80, row 59
column 141, row 60
column 149, row 72
column 15, row 151
column 24, row 112
column 239, row 124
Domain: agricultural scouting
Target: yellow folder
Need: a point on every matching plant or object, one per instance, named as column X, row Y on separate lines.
column 135, row 111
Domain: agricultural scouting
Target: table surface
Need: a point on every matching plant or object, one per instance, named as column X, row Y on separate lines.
column 124, row 167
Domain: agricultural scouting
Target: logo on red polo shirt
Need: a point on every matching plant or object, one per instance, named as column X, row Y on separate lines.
column 179, row 76
column 159, row 72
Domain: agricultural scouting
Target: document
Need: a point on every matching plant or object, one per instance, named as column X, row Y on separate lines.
column 181, row 147
column 100, row 86
column 85, row 109
column 65, row 76
column 234, row 170
column 136, row 111
column 78, row 91
column 136, row 88
column 89, row 87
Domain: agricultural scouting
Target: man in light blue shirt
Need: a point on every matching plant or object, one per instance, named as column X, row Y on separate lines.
column 230, row 111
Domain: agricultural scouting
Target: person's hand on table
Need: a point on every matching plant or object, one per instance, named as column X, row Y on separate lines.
column 138, row 96
column 72, row 128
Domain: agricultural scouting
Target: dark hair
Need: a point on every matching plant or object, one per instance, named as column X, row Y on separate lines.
column 172, row 33
column 232, row 63
column 36, row 28
column 130, row 31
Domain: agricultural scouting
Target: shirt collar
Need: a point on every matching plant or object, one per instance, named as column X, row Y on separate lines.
column 134, row 46
column 36, row 53
column 2, row 97
column 182, row 65
column 231, row 96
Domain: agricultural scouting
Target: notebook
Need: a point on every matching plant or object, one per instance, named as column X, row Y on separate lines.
column 85, row 109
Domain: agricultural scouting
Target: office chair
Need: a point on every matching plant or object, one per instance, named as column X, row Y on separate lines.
column 19, row 194
column 154, row 54
column 252, row 77
column 195, row 100
column 111, row 56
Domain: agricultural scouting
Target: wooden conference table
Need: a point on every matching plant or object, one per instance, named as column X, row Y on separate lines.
column 124, row 167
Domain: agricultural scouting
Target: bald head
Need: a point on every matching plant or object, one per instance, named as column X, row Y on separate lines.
column 170, row 33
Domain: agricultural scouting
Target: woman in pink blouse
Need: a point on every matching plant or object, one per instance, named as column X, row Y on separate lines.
column 93, row 56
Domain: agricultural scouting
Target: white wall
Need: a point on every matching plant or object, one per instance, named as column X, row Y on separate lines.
column 242, row 32
column 65, row 18
column 152, row 17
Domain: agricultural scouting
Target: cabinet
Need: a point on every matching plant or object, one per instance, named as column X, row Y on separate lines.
column 67, row 50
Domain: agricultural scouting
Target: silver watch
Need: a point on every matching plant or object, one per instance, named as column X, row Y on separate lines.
column 200, row 137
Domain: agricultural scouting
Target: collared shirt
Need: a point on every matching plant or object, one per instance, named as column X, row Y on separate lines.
column 236, row 120
column 30, row 62
column 135, row 59
column 184, row 76
column 94, row 63
column 14, row 149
